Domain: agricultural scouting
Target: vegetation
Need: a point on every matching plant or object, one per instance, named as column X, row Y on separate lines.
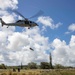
column 44, row 65
column 59, row 66
column 32, row 69
column 51, row 66
column 39, row 72
column 45, row 68
column 32, row 65
column 2, row 66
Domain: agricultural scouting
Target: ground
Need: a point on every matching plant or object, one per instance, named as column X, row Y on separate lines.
column 39, row 72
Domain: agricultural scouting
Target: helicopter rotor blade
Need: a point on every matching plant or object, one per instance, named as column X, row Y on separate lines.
column 19, row 14
column 37, row 14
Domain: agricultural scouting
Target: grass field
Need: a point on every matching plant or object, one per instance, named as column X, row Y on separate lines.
column 39, row 72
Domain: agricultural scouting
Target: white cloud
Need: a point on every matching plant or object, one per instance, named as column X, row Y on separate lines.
column 4, row 4
column 71, row 27
column 1, row 58
column 64, row 54
column 17, row 40
column 7, row 18
column 72, row 41
column 47, row 21
column 67, row 32
column 14, row 46
column 18, row 45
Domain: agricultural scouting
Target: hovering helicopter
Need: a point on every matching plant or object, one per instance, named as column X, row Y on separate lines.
column 22, row 23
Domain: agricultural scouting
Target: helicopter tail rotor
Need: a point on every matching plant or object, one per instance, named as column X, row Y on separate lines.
column 2, row 22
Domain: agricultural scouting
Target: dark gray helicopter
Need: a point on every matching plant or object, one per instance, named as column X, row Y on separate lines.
column 22, row 23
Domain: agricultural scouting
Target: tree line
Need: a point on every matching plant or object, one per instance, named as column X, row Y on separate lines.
column 33, row 65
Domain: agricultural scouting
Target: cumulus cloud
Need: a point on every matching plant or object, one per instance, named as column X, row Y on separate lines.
column 72, row 27
column 67, row 32
column 14, row 46
column 47, row 21
column 4, row 4
column 63, row 53
column 17, row 40
column 17, row 44
column 6, row 16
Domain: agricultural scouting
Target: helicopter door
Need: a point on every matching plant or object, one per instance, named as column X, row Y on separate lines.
column 26, row 22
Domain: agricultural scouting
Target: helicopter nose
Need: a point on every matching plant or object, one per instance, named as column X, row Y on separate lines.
column 36, row 24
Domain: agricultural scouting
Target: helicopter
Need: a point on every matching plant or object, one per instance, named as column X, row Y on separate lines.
column 22, row 23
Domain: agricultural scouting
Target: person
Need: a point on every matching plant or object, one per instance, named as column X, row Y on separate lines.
column 31, row 49
column 18, row 69
column 14, row 70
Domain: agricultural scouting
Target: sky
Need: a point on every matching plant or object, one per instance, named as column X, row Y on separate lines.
column 55, row 33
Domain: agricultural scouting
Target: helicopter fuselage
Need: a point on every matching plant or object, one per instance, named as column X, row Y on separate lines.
column 21, row 23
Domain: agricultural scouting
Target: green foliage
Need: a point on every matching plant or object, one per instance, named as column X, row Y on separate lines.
column 59, row 66
column 2, row 66
column 32, row 65
column 44, row 65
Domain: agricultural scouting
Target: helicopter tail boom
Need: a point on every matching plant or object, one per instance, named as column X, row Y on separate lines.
column 2, row 22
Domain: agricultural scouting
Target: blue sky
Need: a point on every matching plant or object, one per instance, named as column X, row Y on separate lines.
column 55, row 33
column 60, row 11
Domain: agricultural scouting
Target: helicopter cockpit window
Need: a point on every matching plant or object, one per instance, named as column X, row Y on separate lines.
column 30, row 21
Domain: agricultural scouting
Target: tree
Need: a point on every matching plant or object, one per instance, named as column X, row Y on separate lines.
column 51, row 67
column 59, row 66
column 44, row 65
column 32, row 65
column 21, row 66
column 2, row 66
